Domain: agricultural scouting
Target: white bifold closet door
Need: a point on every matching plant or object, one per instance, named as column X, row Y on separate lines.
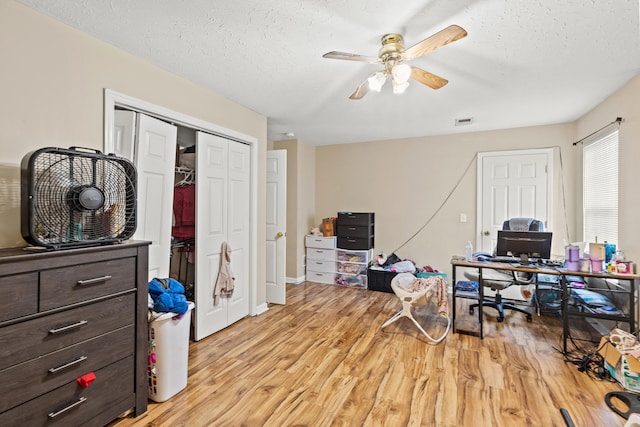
column 222, row 214
column 151, row 145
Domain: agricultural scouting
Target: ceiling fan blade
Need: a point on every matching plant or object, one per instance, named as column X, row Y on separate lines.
column 427, row 79
column 361, row 91
column 351, row 57
column 431, row 43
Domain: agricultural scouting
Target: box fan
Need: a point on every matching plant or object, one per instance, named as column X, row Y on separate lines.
column 76, row 197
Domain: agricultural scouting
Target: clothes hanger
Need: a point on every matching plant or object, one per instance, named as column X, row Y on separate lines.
column 189, row 176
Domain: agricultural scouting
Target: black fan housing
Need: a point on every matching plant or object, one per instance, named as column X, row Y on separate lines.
column 76, row 197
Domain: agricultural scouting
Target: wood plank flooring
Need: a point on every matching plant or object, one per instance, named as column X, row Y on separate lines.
column 323, row 360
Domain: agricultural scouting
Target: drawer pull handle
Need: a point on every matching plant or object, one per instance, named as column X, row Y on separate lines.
column 63, row 410
column 94, row 280
column 68, row 365
column 68, row 327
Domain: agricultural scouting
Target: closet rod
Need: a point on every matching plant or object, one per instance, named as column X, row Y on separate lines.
column 618, row 120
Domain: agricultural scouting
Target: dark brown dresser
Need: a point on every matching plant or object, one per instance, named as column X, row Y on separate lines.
column 66, row 316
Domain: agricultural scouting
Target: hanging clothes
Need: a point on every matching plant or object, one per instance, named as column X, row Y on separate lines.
column 224, row 281
column 184, row 212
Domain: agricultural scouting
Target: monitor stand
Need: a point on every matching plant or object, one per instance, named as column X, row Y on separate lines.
column 524, row 259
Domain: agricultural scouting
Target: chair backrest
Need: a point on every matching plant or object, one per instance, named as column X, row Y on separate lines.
column 523, row 224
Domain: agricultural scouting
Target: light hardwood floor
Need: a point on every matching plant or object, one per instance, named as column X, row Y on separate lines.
column 323, row 360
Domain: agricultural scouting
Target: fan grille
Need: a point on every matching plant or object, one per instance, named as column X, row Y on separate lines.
column 82, row 198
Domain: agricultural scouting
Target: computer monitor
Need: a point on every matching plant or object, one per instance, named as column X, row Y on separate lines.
column 524, row 244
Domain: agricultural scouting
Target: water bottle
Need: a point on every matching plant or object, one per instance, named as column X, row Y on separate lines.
column 468, row 251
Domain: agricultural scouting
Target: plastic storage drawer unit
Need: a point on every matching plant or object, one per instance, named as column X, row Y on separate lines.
column 355, row 230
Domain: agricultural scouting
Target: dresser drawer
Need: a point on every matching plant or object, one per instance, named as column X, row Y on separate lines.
column 64, row 286
column 355, row 218
column 320, row 242
column 26, row 340
column 25, row 381
column 352, row 280
column 18, row 295
column 321, row 254
column 314, row 276
column 112, row 392
column 355, row 242
column 321, row 266
column 351, row 267
column 353, row 256
column 355, row 231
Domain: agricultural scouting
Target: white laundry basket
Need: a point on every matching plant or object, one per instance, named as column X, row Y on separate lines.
column 168, row 358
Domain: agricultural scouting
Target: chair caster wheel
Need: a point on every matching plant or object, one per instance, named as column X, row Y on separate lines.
column 500, row 319
column 529, row 319
column 471, row 310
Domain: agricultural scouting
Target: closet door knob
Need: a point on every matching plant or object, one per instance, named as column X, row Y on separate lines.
column 487, row 233
column 280, row 234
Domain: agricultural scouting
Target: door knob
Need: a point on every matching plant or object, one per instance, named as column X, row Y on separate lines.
column 487, row 233
column 280, row 234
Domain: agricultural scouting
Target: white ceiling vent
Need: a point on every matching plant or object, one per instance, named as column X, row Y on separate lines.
column 464, row 122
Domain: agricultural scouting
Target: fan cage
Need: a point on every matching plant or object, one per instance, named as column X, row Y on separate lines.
column 80, row 199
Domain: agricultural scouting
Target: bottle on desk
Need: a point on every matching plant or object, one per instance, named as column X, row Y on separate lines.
column 468, row 251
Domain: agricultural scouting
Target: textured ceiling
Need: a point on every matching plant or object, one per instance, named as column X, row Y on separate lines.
column 523, row 63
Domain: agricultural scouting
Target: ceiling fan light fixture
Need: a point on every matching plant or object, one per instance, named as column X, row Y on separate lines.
column 399, row 87
column 376, row 81
column 401, row 73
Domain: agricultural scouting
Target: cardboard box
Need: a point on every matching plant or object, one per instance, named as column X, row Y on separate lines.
column 625, row 369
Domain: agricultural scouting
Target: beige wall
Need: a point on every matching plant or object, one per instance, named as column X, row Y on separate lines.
column 624, row 103
column 405, row 181
column 52, row 81
column 301, row 167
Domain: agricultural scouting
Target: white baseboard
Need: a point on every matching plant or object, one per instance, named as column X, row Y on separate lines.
column 262, row 308
column 296, row 281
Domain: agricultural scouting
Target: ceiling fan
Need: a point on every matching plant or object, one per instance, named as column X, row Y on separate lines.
column 391, row 56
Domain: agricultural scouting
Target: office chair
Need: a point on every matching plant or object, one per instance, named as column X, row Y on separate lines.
column 499, row 280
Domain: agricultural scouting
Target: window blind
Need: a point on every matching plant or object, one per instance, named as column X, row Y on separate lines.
column 600, row 188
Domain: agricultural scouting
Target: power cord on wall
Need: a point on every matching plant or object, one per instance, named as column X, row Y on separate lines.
column 455, row 187
column 464, row 173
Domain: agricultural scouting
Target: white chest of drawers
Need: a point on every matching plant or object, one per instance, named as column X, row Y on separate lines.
column 321, row 259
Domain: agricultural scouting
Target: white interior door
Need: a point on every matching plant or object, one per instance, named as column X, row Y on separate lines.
column 222, row 214
column 510, row 185
column 276, row 226
column 155, row 161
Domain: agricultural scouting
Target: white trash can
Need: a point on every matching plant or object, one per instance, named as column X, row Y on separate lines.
column 168, row 358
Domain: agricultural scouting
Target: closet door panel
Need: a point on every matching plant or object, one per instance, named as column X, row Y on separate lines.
column 211, row 231
column 238, row 214
column 124, row 134
column 238, row 304
column 155, row 162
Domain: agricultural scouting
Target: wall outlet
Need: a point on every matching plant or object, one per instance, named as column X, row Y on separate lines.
column 463, row 217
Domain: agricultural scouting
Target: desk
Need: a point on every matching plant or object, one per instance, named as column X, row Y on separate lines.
column 629, row 317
